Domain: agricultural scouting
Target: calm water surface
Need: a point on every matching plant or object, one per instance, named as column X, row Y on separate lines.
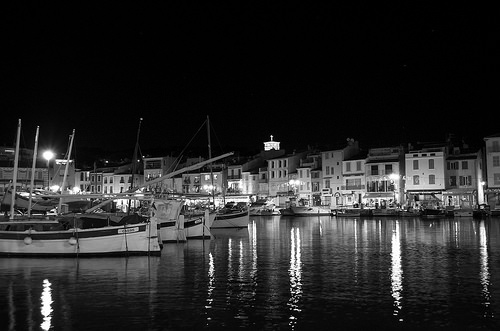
column 279, row 274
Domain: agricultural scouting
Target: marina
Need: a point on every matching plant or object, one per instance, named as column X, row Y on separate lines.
column 325, row 166
column 286, row 273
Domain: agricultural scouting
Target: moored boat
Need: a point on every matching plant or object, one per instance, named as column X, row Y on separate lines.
column 311, row 211
column 82, row 235
column 433, row 212
column 463, row 212
column 348, row 212
column 170, row 226
column 286, row 211
column 385, row 212
column 263, row 207
column 178, row 225
column 197, row 226
column 231, row 217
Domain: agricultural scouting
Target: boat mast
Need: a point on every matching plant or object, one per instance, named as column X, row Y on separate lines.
column 32, row 183
column 210, row 164
column 134, row 160
column 66, row 170
column 14, row 178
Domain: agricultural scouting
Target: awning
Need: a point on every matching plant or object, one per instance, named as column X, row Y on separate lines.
column 424, row 192
column 372, row 195
column 492, row 190
column 459, row 192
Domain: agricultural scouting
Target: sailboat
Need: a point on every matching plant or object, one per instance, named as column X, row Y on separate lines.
column 173, row 224
column 176, row 225
column 22, row 200
column 232, row 215
column 77, row 234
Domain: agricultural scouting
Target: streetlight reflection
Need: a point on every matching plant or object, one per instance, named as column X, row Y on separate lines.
column 46, row 308
column 396, row 270
column 295, row 272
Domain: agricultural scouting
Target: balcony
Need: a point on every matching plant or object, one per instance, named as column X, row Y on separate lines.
column 492, row 149
column 233, row 191
column 382, row 172
column 352, row 187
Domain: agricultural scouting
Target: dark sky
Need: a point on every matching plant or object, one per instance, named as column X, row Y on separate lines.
column 308, row 74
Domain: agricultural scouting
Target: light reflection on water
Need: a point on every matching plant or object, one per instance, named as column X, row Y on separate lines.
column 396, row 271
column 484, row 269
column 279, row 273
column 295, row 277
column 46, row 304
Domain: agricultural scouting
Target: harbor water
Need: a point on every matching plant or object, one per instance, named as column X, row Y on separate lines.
column 280, row 273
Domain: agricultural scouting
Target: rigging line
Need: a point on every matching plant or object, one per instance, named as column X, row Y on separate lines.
column 216, row 138
column 140, row 153
column 194, row 136
column 178, row 159
column 65, row 155
column 174, row 165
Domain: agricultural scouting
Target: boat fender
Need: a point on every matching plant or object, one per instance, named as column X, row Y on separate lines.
column 28, row 240
column 72, row 241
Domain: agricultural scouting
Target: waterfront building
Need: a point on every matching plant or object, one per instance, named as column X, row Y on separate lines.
column 492, row 185
column 425, row 175
column 57, row 180
column 263, row 190
column 208, row 180
column 82, row 181
column 385, row 171
column 281, row 171
column 96, row 181
column 271, row 145
column 464, row 179
column 155, row 167
column 250, row 183
column 25, row 163
column 258, row 170
column 191, row 183
column 331, row 169
column 354, row 180
column 308, row 182
column 214, row 181
column 302, row 186
column 235, row 177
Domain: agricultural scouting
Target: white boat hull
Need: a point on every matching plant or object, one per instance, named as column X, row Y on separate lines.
column 198, row 227
column 177, row 227
column 310, row 211
column 238, row 219
column 130, row 239
column 171, row 227
column 265, row 212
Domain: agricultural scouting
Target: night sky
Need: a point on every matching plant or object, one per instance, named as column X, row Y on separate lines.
column 308, row 74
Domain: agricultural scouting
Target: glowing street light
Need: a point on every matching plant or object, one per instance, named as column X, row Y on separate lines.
column 48, row 155
column 394, row 178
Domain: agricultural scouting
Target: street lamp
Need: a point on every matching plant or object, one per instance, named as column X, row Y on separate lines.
column 48, row 155
column 394, row 177
column 294, row 183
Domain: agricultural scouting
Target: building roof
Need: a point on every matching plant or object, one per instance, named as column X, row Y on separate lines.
column 382, row 160
column 468, row 156
column 495, row 135
column 361, row 155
